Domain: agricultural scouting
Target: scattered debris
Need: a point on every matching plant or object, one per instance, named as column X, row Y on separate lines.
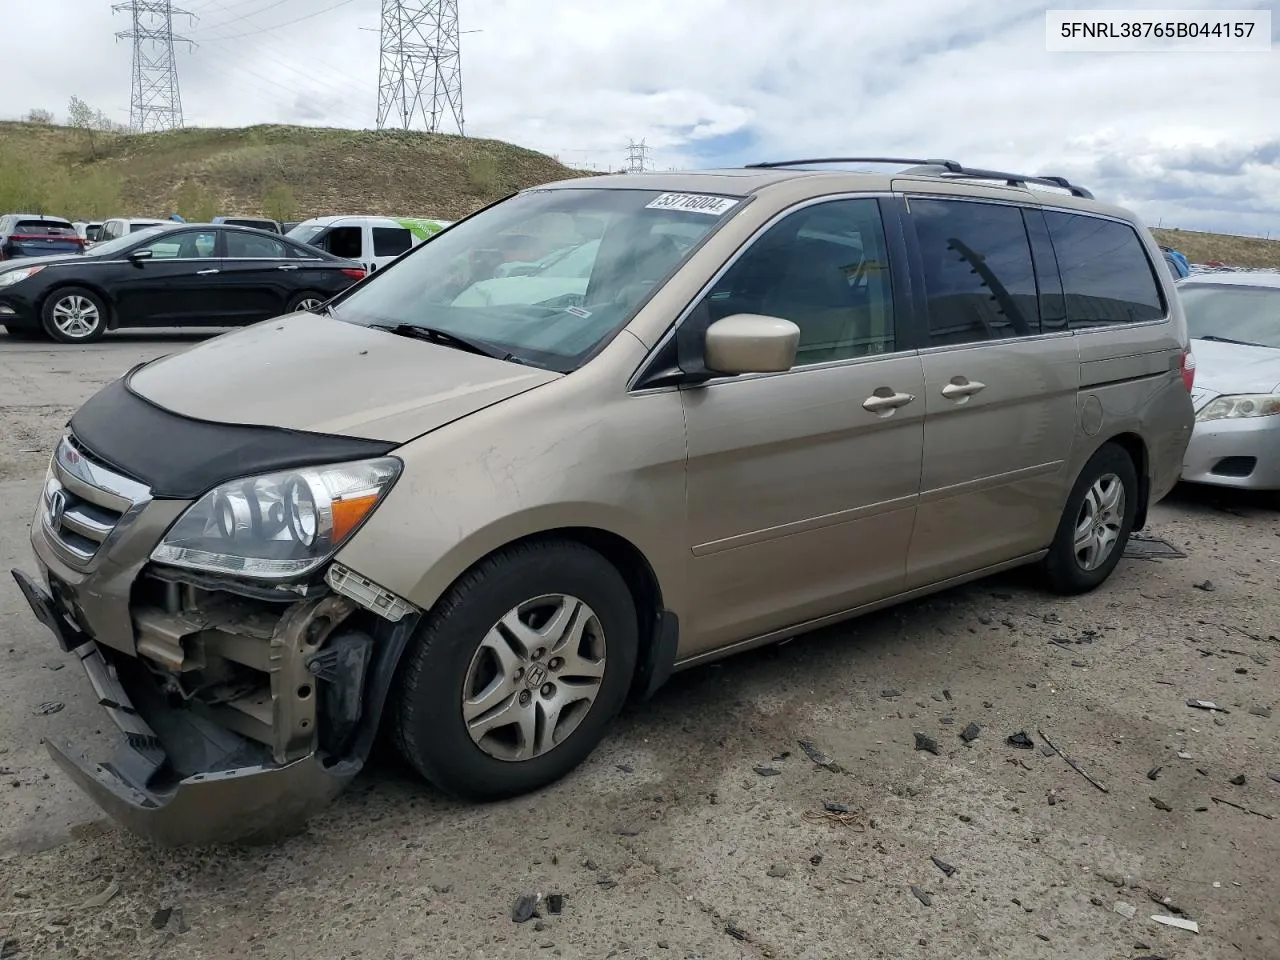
column 965, row 818
column 625, row 767
column 48, row 707
column 926, row 743
column 846, row 819
column 626, row 830
column 948, row 720
column 923, row 897
column 1207, row 705
column 1126, row 910
column 1256, row 813
column 1238, row 780
column 767, row 771
column 103, row 898
column 816, row 859
column 1141, row 547
column 1079, row 663
column 942, row 865
column 160, row 919
column 606, row 883
column 947, row 695
column 1052, row 798
column 1071, row 763
column 818, row 757
column 1180, row 922
column 1264, row 712
column 779, row 871
column 782, row 756
column 526, row 908
column 890, row 694
column 54, row 665
column 8, row 948
column 1154, row 773
column 832, row 807
column 1097, row 901
column 1020, row 740
column 1274, row 776
column 1160, row 804
column 970, row 733
column 735, row 931
column 1207, row 586
column 1183, row 755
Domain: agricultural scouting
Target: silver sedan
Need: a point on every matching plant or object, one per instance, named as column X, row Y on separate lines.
column 1234, row 322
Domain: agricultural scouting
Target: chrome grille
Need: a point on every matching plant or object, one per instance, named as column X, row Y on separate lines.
column 84, row 503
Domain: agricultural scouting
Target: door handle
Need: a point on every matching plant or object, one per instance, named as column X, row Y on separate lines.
column 287, row 266
column 962, row 388
column 205, row 273
column 885, row 401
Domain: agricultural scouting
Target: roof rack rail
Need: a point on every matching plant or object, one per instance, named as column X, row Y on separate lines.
column 941, row 168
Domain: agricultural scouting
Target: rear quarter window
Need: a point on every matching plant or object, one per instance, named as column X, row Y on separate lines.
column 1107, row 277
column 391, row 241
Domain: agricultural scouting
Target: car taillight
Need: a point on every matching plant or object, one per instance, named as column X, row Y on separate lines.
column 1188, row 369
column 355, row 273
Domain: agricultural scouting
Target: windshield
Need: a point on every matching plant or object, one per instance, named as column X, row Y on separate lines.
column 545, row 276
column 1247, row 314
column 110, row 248
column 303, row 232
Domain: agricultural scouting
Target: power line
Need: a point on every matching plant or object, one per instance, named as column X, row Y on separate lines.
column 420, row 74
column 156, row 102
column 281, row 26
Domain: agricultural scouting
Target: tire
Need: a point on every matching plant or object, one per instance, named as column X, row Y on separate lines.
column 74, row 315
column 25, row 333
column 1093, row 507
column 452, row 659
column 307, row 300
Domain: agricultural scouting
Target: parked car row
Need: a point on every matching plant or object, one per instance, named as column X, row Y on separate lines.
column 483, row 498
column 168, row 274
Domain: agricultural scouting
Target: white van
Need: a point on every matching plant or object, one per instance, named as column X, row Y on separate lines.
column 373, row 241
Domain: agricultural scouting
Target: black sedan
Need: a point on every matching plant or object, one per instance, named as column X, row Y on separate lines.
column 168, row 276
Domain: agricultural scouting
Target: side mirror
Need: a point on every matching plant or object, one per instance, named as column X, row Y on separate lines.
column 139, row 255
column 750, row 343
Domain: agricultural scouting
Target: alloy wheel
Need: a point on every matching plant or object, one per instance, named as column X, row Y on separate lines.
column 534, row 677
column 76, row 317
column 1098, row 525
column 307, row 305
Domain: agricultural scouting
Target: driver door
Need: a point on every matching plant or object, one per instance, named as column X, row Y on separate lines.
column 180, row 284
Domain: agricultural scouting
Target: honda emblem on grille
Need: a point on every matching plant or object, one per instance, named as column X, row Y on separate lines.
column 57, row 507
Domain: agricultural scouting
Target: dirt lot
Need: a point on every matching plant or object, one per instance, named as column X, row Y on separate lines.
column 678, row 840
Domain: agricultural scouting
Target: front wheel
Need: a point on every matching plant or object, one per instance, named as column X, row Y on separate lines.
column 305, row 303
column 517, row 671
column 74, row 315
column 1096, row 523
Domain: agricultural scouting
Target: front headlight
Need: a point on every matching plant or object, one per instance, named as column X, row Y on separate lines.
column 280, row 525
column 1241, row 405
column 10, row 277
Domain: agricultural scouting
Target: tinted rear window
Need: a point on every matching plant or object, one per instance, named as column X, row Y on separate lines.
column 391, row 241
column 1106, row 275
column 45, row 228
column 978, row 274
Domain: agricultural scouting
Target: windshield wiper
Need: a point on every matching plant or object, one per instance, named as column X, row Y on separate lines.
column 1243, row 343
column 446, row 339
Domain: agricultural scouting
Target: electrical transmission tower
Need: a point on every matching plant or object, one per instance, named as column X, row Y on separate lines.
column 421, row 72
column 637, row 157
column 156, row 103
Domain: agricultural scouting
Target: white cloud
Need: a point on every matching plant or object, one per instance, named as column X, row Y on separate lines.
column 706, row 81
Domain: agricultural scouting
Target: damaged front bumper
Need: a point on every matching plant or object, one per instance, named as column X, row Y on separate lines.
column 258, row 798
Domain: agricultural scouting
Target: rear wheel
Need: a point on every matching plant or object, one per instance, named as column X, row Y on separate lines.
column 517, row 671
column 306, row 302
column 1096, row 523
column 24, row 333
column 74, row 315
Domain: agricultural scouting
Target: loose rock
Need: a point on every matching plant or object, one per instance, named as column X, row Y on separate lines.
column 1126, row 910
column 1238, row 780
column 942, row 865
column 1161, row 805
column 555, row 904
column 1207, row 586
column 923, row 897
column 970, row 733
column 767, row 771
column 818, row 757
column 832, row 807
column 733, row 930
column 1154, row 773
column 525, row 909
column 779, row 871
column 926, row 743
column 160, row 919
column 816, row 859
column 49, row 707
column 1260, row 711
column 890, row 694
column 1020, row 740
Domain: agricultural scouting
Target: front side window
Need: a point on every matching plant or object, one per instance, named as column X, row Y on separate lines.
column 1106, row 275
column 979, row 278
column 546, row 276
column 1232, row 313
column 826, row 269
column 249, row 246
column 185, row 245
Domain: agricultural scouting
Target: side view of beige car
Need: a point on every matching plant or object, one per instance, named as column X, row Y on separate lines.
column 600, row 431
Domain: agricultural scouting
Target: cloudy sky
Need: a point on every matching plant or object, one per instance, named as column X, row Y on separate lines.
column 1187, row 139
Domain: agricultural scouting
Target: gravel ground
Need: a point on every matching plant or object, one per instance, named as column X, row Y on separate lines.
column 698, row 829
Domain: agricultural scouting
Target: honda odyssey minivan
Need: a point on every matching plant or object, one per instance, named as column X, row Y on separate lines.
column 776, row 397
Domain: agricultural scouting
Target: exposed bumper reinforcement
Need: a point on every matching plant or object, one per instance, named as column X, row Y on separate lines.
column 246, row 804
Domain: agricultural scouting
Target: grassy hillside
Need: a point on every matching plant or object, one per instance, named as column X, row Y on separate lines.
column 314, row 170
column 296, row 172
column 1234, row 251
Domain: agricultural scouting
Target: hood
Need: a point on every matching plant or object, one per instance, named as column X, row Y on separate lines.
column 321, row 375
column 1235, row 368
column 19, row 262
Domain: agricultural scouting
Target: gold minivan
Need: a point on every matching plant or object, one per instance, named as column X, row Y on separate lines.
column 599, row 431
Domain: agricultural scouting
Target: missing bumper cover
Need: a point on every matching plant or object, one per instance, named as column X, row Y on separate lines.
column 345, row 581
